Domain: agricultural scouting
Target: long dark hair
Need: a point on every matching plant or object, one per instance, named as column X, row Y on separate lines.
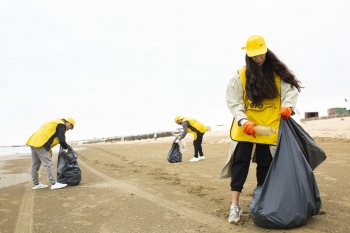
column 261, row 84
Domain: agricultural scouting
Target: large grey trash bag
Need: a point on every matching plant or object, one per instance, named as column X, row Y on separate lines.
column 313, row 153
column 289, row 195
column 68, row 170
column 175, row 155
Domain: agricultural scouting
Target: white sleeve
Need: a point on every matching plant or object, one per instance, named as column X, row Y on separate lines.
column 289, row 95
column 234, row 98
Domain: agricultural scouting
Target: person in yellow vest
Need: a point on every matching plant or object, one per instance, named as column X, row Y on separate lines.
column 259, row 94
column 197, row 129
column 41, row 142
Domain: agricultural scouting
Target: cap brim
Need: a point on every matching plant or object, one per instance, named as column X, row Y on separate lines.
column 256, row 52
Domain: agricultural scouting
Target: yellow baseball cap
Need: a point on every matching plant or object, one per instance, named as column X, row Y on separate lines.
column 255, row 46
column 178, row 118
column 70, row 120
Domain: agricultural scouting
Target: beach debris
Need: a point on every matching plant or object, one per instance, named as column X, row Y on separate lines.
column 264, row 130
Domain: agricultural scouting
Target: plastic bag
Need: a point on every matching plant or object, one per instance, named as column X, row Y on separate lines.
column 175, row 155
column 68, row 170
column 182, row 144
column 312, row 152
column 289, row 195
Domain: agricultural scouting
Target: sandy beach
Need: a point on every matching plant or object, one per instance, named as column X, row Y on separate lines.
column 131, row 187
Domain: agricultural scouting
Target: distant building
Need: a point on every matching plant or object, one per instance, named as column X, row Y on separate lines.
column 311, row 114
column 332, row 113
column 114, row 140
column 335, row 111
column 79, row 142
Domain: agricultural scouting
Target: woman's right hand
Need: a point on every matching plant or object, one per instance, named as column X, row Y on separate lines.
column 248, row 128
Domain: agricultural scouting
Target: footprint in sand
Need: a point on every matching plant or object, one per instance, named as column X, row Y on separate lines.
column 324, row 175
column 321, row 213
column 343, row 203
column 168, row 216
column 5, row 210
column 85, row 223
column 66, row 205
column 221, row 212
column 179, row 193
column 105, row 201
column 78, row 214
column 69, row 198
column 330, row 178
column 105, row 213
column 36, row 211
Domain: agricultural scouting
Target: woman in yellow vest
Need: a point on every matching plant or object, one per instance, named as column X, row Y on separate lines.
column 197, row 129
column 259, row 94
column 47, row 136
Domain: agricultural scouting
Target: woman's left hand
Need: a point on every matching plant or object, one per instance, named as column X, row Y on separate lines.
column 286, row 112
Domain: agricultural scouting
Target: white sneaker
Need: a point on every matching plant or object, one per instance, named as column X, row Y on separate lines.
column 201, row 157
column 235, row 213
column 40, row 186
column 58, row 186
column 194, row 159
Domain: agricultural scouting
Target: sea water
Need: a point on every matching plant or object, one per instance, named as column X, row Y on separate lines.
column 12, row 150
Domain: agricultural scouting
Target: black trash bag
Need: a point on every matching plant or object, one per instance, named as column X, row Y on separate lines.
column 312, row 152
column 289, row 195
column 175, row 155
column 68, row 170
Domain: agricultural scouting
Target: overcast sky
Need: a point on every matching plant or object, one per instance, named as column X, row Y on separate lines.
column 127, row 67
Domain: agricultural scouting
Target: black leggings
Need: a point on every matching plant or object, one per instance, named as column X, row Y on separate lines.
column 241, row 162
column 197, row 144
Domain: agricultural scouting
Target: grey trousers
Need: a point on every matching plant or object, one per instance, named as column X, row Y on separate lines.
column 42, row 156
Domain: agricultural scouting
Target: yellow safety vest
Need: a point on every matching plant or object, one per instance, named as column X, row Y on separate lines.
column 195, row 124
column 266, row 114
column 44, row 133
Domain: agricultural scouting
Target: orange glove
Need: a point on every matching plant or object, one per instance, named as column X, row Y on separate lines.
column 285, row 112
column 248, row 128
